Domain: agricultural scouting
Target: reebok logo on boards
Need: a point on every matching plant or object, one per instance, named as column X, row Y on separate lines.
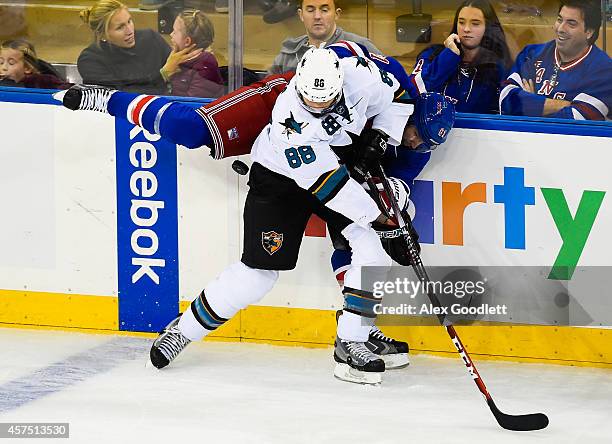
column 144, row 210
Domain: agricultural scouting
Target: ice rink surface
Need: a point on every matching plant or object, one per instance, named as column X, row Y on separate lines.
column 249, row 393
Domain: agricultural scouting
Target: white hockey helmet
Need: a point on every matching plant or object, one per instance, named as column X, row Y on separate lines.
column 319, row 77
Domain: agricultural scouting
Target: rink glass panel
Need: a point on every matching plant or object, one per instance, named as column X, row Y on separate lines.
column 59, row 35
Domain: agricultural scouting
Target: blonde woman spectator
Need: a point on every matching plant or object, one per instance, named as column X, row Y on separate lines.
column 124, row 58
column 198, row 76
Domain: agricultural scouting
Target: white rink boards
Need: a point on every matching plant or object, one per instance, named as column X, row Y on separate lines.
column 67, row 251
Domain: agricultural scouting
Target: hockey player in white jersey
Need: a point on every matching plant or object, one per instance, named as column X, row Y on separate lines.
column 328, row 99
column 295, row 174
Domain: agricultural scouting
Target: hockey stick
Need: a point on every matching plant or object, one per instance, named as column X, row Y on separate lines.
column 532, row 421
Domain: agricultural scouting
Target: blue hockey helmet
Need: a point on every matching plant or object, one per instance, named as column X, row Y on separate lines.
column 434, row 116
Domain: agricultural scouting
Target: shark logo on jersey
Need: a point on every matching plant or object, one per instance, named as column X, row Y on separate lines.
column 292, row 126
column 343, row 111
column 362, row 62
column 271, row 241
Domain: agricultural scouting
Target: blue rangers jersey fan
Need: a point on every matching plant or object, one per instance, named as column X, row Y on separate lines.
column 585, row 82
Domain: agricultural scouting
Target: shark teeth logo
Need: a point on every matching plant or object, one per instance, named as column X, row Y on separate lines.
column 271, row 241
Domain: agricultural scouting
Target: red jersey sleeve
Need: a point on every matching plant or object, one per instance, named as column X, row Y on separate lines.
column 235, row 120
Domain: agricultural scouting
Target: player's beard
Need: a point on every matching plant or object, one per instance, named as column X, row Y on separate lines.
column 318, row 112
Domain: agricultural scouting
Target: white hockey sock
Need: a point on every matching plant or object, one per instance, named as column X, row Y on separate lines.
column 191, row 328
column 352, row 327
column 236, row 287
column 367, row 252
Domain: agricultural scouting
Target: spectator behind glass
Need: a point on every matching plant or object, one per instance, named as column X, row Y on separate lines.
column 125, row 59
column 473, row 62
column 199, row 76
column 568, row 77
column 319, row 18
column 20, row 66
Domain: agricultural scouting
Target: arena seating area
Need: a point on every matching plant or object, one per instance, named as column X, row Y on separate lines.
column 54, row 27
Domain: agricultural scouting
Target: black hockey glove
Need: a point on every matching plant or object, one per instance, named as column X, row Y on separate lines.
column 371, row 148
column 394, row 243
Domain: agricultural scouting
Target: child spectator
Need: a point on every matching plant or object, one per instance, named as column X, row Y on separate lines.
column 20, row 66
column 199, row 76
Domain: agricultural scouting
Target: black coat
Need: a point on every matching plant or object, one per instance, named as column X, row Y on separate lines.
column 128, row 69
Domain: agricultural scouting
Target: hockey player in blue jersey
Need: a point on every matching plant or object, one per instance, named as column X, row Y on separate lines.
column 422, row 136
column 568, row 77
column 426, row 130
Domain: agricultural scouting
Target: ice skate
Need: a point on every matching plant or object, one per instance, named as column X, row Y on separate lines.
column 85, row 97
column 392, row 351
column 356, row 363
column 168, row 345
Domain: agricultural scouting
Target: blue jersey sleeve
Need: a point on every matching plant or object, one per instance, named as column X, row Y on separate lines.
column 404, row 163
column 431, row 71
column 413, row 84
column 593, row 103
column 513, row 99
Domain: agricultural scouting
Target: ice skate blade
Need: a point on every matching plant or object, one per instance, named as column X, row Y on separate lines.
column 346, row 373
column 59, row 96
column 395, row 361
